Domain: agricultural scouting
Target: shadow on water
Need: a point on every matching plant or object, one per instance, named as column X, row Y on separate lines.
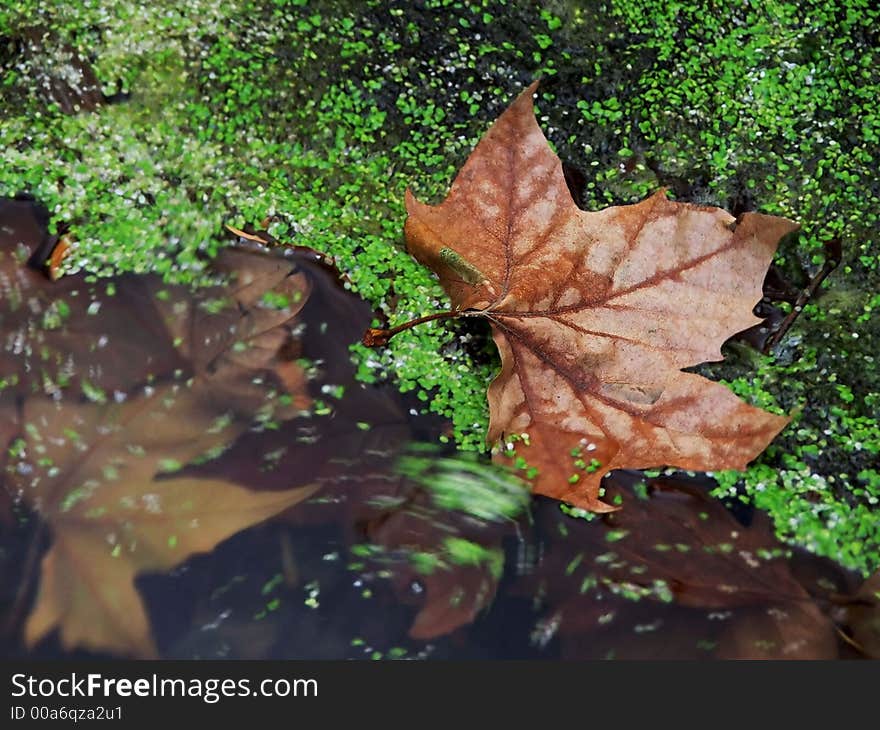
column 196, row 473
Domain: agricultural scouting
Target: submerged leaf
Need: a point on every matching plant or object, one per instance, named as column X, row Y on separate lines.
column 87, row 578
column 862, row 617
column 112, row 386
column 676, row 575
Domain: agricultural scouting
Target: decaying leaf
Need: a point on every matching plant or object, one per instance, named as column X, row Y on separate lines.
column 111, row 387
column 99, row 547
column 675, row 575
column 596, row 314
column 450, row 525
column 433, row 524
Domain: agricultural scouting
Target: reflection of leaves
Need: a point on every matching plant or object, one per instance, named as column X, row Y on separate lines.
column 87, row 578
column 111, row 386
column 692, row 543
column 436, row 523
column 449, row 532
column 862, row 617
column 676, row 575
column 596, row 314
column 466, row 486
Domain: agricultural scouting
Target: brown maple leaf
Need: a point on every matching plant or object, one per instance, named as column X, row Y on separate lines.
column 595, row 314
column 87, row 579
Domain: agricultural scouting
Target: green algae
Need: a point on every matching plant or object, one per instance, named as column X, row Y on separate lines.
column 318, row 115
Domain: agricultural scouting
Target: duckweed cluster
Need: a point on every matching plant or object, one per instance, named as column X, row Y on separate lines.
column 316, row 116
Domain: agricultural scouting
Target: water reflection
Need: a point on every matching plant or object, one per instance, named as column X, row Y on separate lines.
column 675, row 575
column 198, row 474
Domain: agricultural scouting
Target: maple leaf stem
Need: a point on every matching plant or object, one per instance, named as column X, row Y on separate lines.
column 378, row 337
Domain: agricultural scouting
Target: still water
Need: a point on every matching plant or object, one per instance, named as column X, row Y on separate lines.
column 196, row 473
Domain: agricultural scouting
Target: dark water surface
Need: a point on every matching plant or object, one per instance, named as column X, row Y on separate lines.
column 196, row 474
